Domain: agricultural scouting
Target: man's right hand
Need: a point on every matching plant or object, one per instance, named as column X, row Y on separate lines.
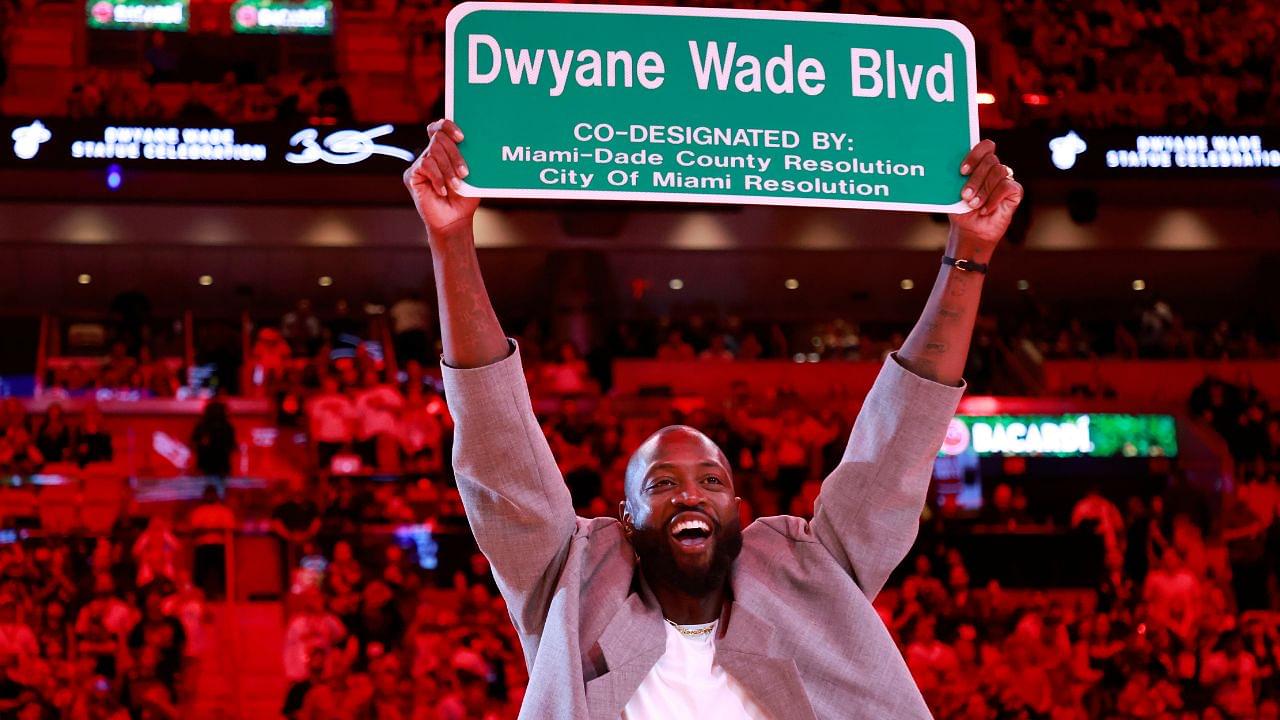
column 433, row 182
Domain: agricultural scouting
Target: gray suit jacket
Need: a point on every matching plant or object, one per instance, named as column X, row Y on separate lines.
column 800, row 633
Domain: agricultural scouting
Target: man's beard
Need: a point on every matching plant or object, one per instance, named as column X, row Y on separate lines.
column 658, row 559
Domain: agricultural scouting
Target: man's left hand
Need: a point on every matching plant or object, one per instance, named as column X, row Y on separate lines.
column 994, row 196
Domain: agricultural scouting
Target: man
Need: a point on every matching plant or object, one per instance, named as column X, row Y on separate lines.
column 411, row 327
column 672, row 610
column 211, row 522
column 331, row 419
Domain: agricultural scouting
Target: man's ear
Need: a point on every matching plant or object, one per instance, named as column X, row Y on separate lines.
column 625, row 517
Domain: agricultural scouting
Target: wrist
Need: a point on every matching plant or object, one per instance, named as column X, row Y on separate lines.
column 449, row 236
column 962, row 246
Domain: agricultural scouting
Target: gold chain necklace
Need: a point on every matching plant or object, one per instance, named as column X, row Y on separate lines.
column 694, row 633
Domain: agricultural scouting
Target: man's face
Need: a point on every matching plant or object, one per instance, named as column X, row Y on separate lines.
column 681, row 514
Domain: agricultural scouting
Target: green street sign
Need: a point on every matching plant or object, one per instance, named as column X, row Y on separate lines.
column 702, row 105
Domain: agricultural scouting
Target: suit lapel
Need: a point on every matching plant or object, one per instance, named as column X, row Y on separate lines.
column 773, row 681
column 631, row 644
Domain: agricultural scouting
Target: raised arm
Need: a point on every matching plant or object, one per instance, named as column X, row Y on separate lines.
column 516, row 500
column 469, row 327
column 938, row 345
column 868, row 510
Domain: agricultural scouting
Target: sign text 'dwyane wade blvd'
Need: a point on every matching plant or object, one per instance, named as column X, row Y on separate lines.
column 699, row 105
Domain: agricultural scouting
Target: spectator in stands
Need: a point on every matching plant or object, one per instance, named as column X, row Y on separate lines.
column 161, row 60
column 411, row 324
column 99, row 702
column 119, row 368
column 716, row 350
column 347, row 507
column 211, row 521
column 156, row 552
column 299, row 103
column 19, row 453
column 345, row 694
column 1174, row 596
column 568, row 374
column 424, row 421
column 1098, row 514
column 377, row 406
column 295, row 521
column 1244, row 530
column 102, row 625
column 18, row 648
column 675, row 348
column 333, row 102
column 83, row 101
column 92, row 441
column 268, row 360
column 214, row 440
column 795, row 439
column 331, row 419
column 75, row 380
column 12, row 414
column 313, row 628
column 317, row 671
column 750, row 349
column 380, row 621
column 154, row 376
column 228, row 100
column 302, row 330
column 54, row 437
column 157, row 642
column 290, row 403
column 343, row 329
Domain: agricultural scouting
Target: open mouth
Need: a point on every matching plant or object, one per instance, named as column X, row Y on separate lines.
column 691, row 530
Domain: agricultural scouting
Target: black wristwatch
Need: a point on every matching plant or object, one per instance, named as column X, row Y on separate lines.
column 966, row 265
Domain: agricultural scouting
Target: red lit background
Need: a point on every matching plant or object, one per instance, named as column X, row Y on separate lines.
column 340, row 573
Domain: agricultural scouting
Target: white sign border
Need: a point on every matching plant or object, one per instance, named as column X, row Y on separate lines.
column 954, row 27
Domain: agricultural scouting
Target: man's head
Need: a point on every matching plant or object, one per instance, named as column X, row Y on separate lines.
column 681, row 514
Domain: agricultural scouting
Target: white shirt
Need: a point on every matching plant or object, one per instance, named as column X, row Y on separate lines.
column 304, row 634
column 377, row 408
column 331, row 417
column 686, row 684
column 409, row 315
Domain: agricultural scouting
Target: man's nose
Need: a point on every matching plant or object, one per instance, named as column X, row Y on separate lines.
column 690, row 495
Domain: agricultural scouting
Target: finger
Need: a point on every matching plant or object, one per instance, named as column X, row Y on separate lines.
column 973, row 189
column 447, row 170
column 1009, row 195
column 429, row 174
column 979, row 151
column 992, row 177
column 448, row 126
column 1005, row 196
column 452, row 155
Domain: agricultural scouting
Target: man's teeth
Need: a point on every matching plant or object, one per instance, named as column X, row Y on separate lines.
column 691, row 524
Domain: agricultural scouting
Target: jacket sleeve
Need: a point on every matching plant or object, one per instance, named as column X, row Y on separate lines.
column 516, row 499
column 868, row 511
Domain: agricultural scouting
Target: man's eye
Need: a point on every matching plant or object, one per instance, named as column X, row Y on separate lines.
column 661, row 482
column 714, row 479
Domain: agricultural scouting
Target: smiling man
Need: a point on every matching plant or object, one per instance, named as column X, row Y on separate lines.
column 673, row 610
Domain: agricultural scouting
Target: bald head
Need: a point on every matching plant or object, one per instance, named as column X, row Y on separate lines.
column 681, row 515
column 666, row 446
